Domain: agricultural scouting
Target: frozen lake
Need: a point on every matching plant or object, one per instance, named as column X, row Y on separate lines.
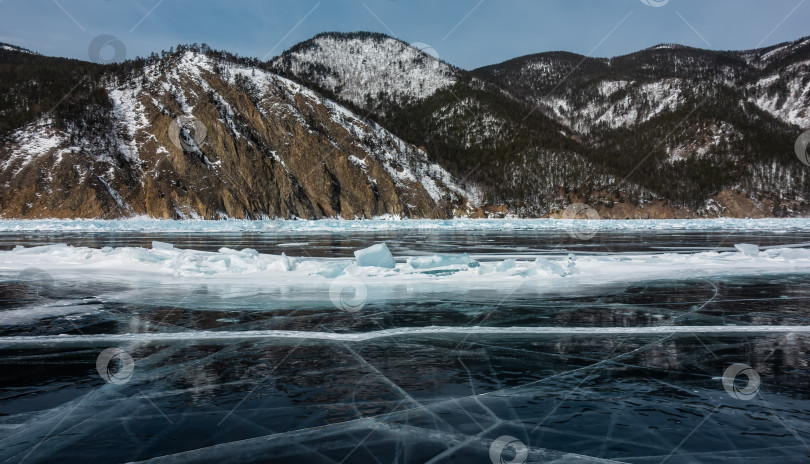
column 487, row 341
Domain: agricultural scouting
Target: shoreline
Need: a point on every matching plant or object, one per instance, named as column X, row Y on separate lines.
column 144, row 224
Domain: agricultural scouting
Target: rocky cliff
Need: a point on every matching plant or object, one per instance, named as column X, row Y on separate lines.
column 192, row 136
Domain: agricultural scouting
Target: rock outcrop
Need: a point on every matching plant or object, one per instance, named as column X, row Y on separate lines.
column 195, row 138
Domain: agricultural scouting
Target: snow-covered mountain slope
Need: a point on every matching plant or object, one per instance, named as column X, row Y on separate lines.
column 372, row 71
column 585, row 93
column 686, row 124
column 615, row 104
column 785, row 93
column 466, row 124
column 14, row 48
column 625, row 91
column 707, row 139
column 770, row 56
column 483, row 127
column 192, row 135
column 782, row 85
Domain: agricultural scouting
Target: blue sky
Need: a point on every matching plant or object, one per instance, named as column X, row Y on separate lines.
column 467, row 33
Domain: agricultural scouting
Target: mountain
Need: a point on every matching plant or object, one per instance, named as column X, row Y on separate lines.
column 197, row 133
column 368, row 70
column 668, row 131
column 477, row 131
column 361, row 124
column 690, row 125
column 585, row 92
column 781, row 85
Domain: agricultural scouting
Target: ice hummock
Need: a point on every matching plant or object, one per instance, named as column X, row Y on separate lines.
column 439, row 261
column 164, row 259
column 375, row 256
column 551, row 267
column 747, row 249
column 231, row 273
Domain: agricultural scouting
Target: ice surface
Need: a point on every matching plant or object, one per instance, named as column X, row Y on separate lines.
column 392, row 223
column 439, row 261
column 318, row 379
column 375, row 256
column 358, row 337
column 162, row 246
column 506, row 265
column 235, row 271
column 163, row 260
column 747, row 249
column 31, row 314
column 550, row 267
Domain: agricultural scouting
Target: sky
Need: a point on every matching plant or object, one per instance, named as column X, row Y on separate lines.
column 466, row 33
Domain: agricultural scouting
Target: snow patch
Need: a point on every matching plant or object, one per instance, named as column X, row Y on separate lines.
column 34, row 141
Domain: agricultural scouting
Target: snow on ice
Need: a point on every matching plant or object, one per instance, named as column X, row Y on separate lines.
column 376, row 266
